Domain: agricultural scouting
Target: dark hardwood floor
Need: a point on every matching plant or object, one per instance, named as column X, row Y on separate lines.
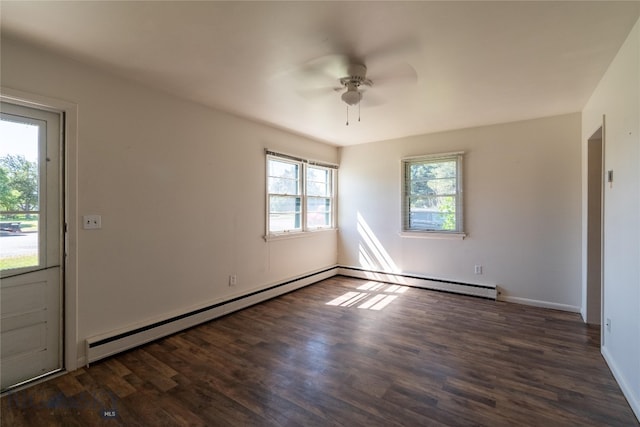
column 310, row 358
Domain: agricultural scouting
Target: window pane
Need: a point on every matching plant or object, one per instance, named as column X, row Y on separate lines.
column 284, row 213
column 283, row 186
column 19, row 241
column 282, row 169
column 317, row 174
column 283, row 222
column 443, row 186
column 284, row 204
column 283, row 177
column 318, row 212
column 438, row 186
column 19, row 195
column 445, row 169
column 318, row 188
column 432, row 169
column 18, row 166
column 433, row 213
column 318, row 181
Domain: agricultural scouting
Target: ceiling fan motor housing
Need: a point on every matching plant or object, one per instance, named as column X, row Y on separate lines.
column 356, row 78
column 357, row 75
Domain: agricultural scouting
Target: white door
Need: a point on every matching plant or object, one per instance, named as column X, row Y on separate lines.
column 30, row 244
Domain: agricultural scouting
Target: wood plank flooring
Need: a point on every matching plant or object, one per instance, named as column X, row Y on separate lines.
column 312, row 358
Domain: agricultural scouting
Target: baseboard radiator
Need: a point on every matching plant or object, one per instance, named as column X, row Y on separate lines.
column 105, row 345
column 471, row 289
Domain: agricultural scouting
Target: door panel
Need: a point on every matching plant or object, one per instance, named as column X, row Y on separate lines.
column 30, row 329
column 30, row 244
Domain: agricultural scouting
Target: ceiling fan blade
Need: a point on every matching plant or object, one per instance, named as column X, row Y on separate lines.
column 319, row 92
column 398, row 74
column 329, row 67
column 368, row 52
column 396, row 50
column 371, row 99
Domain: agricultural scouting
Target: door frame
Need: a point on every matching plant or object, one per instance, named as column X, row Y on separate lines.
column 603, row 189
column 69, row 142
column 595, row 223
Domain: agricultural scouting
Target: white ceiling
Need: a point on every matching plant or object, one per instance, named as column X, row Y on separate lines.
column 477, row 63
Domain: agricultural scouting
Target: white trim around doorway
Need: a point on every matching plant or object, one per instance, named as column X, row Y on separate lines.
column 70, row 141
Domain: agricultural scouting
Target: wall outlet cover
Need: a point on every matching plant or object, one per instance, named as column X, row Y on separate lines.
column 92, row 222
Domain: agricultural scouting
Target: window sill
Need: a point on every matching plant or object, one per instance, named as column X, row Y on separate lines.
column 433, row 235
column 297, row 234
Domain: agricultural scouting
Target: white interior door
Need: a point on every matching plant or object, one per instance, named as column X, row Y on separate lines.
column 30, row 244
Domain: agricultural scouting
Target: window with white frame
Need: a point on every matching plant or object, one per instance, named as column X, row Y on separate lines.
column 432, row 193
column 300, row 194
column 284, row 186
column 319, row 196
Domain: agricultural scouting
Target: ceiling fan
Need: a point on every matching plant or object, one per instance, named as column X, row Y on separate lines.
column 356, row 77
column 348, row 76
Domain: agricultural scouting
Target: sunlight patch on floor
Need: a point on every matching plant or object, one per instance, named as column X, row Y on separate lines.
column 348, row 299
column 379, row 295
column 371, row 286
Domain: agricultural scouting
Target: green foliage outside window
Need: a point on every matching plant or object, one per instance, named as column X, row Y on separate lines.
column 18, row 184
column 431, row 194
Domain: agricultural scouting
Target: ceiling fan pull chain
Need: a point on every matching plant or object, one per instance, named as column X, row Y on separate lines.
column 359, row 102
column 347, row 115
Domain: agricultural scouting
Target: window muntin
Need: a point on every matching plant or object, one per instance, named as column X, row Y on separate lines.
column 432, row 193
column 300, row 196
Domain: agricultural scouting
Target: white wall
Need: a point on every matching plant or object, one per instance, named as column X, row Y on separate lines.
column 522, row 208
column 180, row 188
column 618, row 98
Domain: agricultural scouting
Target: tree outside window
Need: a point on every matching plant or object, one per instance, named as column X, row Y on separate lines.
column 300, row 195
column 432, row 193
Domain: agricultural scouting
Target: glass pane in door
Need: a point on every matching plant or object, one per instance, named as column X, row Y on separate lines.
column 19, row 194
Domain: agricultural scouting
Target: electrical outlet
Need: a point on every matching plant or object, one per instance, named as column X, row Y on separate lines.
column 233, row 280
column 92, row 222
column 478, row 269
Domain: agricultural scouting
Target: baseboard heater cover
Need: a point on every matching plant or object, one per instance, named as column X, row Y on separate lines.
column 105, row 345
column 476, row 290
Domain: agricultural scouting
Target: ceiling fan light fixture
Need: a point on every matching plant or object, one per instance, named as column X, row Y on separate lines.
column 351, row 97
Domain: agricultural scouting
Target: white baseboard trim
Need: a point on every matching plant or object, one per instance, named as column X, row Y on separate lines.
column 105, row 345
column 538, row 303
column 633, row 400
column 583, row 314
column 477, row 290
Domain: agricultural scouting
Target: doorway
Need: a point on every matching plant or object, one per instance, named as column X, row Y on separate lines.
column 31, row 244
column 595, row 184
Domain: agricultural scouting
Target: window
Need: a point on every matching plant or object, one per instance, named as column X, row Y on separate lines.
column 432, row 193
column 319, row 197
column 285, row 195
column 300, row 194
